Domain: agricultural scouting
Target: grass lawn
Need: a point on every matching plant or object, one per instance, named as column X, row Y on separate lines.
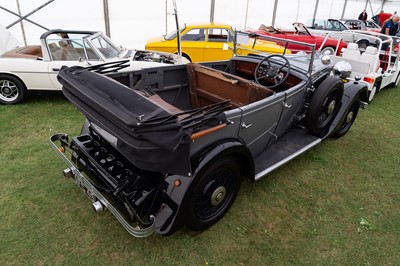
column 337, row 204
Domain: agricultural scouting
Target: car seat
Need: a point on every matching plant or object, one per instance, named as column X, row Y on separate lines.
column 351, row 52
column 370, row 56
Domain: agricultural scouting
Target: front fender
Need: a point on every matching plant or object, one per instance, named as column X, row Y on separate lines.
column 351, row 91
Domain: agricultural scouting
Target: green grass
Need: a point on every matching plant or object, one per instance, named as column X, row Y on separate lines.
column 337, row 204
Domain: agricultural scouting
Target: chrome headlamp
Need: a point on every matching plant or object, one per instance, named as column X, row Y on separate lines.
column 342, row 69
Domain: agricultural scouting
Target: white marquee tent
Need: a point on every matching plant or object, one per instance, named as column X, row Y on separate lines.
column 131, row 23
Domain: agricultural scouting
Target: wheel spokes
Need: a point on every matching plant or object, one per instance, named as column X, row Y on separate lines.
column 8, row 90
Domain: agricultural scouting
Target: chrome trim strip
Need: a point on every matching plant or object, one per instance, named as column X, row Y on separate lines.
column 287, row 159
column 82, row 181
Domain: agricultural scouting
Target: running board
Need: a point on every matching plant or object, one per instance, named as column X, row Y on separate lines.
column 292, row 144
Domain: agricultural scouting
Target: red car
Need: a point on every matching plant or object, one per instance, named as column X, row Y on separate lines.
column 301, row 34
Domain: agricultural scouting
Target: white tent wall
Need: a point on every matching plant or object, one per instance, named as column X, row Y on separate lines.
column 133, row 22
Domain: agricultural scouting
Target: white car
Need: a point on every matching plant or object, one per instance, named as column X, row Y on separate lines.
column 324, row 26
column 377, row 65
column 35, row 67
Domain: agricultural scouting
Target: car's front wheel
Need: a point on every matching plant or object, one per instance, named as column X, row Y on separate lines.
column 12, row 90
column 212, row 193
column 324, row 105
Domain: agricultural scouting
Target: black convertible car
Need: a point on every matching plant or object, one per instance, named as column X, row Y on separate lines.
column 168, row 146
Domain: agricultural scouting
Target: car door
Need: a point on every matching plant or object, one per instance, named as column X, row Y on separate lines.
column 216, row 38
column 259, row 122
column 193, row 42
column 294, row 101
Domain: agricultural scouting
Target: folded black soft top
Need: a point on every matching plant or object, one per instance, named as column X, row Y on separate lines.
column 149, row 136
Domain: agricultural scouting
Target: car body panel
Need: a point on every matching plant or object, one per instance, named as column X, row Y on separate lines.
column 204, row 42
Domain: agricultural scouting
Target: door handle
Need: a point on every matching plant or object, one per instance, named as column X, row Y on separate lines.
column 287, row 105
column 246, row 126
column 55, row 69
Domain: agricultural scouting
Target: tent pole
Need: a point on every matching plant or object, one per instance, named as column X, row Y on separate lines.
column 247, row 11
column 212, row 11
column 27, row 15
column 344, row 8
column 315, row 12
column 15, row 14
column 21, row 23
column 106, row 17
column 274, row 14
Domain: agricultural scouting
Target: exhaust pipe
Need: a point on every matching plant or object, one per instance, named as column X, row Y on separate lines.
column 97, row 206
column 68, row 173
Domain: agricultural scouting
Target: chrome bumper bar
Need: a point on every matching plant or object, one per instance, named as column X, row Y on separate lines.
column 95, row 195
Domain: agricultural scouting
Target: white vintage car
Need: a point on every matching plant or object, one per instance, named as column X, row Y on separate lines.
column 35, row 67
column 370, row 57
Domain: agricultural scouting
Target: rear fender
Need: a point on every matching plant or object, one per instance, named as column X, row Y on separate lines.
column 351, row 91
column 171, row 220
column 224, row 148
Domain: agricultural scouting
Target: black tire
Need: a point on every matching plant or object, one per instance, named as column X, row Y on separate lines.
column 212, row 193
column 324, row 105
column 350, row 117
column 328, row 50
column 12, row 90
column 396, row 82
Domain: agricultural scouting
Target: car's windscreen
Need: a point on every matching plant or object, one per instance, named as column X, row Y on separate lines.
column 172, row 34
column 104, row 45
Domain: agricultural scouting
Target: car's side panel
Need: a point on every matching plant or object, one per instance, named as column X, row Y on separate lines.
column 259, row 121
column 55, row 66
column 33, row 73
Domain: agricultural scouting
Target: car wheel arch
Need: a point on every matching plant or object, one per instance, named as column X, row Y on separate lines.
column 226, row 148
column 185, row 55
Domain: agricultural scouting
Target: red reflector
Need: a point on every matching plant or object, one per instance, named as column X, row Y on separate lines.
column 61, row 149
column 369, row 80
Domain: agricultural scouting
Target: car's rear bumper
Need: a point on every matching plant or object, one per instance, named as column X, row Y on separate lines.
column 95, row 195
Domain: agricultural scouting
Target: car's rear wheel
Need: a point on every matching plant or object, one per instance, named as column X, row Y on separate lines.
column 324, row 105
column 349, row 119
column 212, row 193
column 396, row 82
column 12, row 90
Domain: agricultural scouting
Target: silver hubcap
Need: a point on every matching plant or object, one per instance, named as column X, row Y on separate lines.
column 331, row 107
column 349, row 117
column 327, row 51
column 218, row 196
column 8, row 91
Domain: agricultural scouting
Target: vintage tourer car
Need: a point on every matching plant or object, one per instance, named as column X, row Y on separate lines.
column 168, row 146
column 203, row 42
column 35, row 67
column 370, row 57
column 300, row 33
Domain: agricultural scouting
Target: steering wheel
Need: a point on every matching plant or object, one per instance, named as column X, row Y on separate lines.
column 274, row 71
